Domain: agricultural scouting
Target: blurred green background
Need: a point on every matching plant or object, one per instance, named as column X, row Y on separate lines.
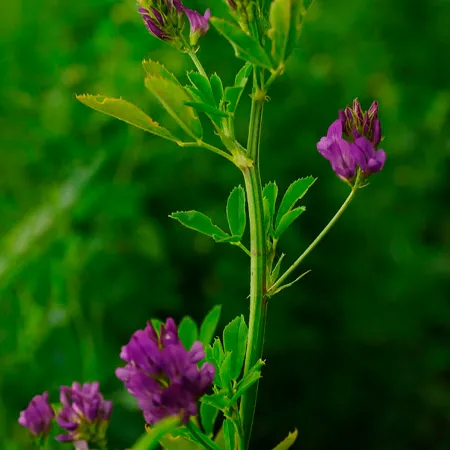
column 358, row 353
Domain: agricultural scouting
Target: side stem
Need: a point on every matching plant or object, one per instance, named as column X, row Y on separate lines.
column 335, row 218
column 257, row 265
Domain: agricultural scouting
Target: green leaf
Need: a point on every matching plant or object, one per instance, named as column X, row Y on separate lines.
column 155, row 69
column 270, row 194
column 171, row 442
column 253, row 375
column 129, row 113
column 209, row 324
column 217, row 88
column 243, row 75
column 276, row 270
column 235, row 341
column 173, row 98
column 226, row 371
column 232, row 97
column 208, row 109
column 188, row 332
column 228, row 239
column 199, row 222
column 245, row 46
column 208, row 415
column 151, row 439
column 298, row 13
column 203, row 86
column 293, row 194
column 236, row 214
column 280, row 22
column 218, row 352
column 218, row 401
column 288, row 442
column 287, row 220
column 156, row 324
column 229, row 434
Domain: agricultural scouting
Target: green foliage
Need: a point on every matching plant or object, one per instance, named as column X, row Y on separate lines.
column 235, row 342
column 280, row 21
column 199, row 222
column 245, row 46
column 229, row 434
column 253, row 375
column 151, row 439
column 188, row 332
column 288, row 442
column 209, row 325
column 208, row 416
column 173, row 98
column 236, row 212
column 270, row 193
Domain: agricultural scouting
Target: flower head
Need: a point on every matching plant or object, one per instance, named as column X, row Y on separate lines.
column 38, row 416
column 199, row 24
column 363, row 132
column 162, row 374
column 358, row 123
column 85, row 414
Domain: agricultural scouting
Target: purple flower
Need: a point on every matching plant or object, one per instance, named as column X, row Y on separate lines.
column 162, row 374
column 155, row 23
column 356, row 123
column 366, row 157
column 199, row 24
column 338, row 152
column 85, row 414
column 38, row 416
column 363, row 131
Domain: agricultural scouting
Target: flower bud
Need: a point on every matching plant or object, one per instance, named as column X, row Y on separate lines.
column 199, row 24
column 38, row 416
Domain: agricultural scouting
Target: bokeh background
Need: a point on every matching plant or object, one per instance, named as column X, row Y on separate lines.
column 358, row 353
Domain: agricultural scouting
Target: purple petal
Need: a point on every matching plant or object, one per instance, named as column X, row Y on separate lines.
column 335, row 129
column 196, row 353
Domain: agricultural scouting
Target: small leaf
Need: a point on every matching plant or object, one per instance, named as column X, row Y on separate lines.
column 253, row 375
column 188, row 332
column 218, row 401
column 245, row 46
column 287, row 220
column 298, row 13
column 218, row 352
column 243, row 75
column 151, row 439
column 155, row 69
column 228, row 239
column 229, row 434
column 270, row 194
column 129, row 113
column 208, row 415
column 276, row 270
column 173, row 97
column 232, row 97
column 235, row 341
column 217, row 88
column 198, row 222
column 288, row 442
column 209, row 324
column 156, row 325
column 208, row 109
column 293, row 194
column 236, row 213
column 203, row 86
column 226, row 374
column 280, row 21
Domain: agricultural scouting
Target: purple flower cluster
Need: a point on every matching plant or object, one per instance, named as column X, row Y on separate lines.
column 164, row 19
column 84, row 415
column 163, row 375
column 363, row 133
column 39, row 415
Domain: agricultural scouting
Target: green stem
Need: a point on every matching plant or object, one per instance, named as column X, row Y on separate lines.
column 202, row 144
column 336, row 217
column 258, row 262
column 198, row 64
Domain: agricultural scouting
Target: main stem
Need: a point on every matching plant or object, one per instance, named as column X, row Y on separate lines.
column 257, row 266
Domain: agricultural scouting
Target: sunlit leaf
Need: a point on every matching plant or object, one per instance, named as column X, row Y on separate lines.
column 123, row 110
column 288, row 442
column 155, row 69
column 173, row 98
column 287, row 220
column 151, row 439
